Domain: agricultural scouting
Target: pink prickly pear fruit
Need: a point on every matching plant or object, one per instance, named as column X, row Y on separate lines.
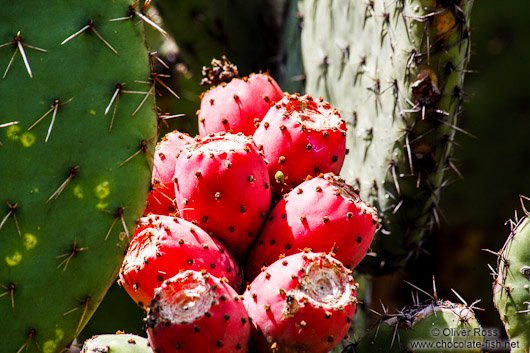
column 162, row 194
column 324, row 214
column 197, row 312
column 164, row 246
column 301, row 136
column 222, row 184
column 301, row 303
column 238, row 105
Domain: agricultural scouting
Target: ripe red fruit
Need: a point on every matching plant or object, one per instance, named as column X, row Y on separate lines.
column 197, row 312
column 301, row 136
column 302, row 303
column 222, row 184
column 162, row 247
column 238, row 105
column 162, row 194
column 324, row 214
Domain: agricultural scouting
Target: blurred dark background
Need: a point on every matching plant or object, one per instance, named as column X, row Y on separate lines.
column 495, row 168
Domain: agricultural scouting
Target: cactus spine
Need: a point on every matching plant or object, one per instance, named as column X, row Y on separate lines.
column 78, row 128
column 449, row 327
column 511, row 294
column 395, row 70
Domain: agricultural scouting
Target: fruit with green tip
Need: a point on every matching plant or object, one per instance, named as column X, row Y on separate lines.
column 117, row 343
column 301, row 136
column 301, row 303
column 197, row 312
column 164, row 246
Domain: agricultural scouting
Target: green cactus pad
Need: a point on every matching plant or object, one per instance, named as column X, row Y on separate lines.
column 395, row 70
column 118, row 343
column 77, row 129
column 447, row 326
column 511, row 293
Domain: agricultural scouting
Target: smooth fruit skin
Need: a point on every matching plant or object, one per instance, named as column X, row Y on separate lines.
column 197, row 312
column 324, row 214
column 116, row 343
column 222, row 185
column 164, row 246
column 301, row 303
column 301, row 136
column 238, row 105
column 162, row 195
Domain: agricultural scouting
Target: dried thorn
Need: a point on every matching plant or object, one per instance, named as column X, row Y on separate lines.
column 31, row 337
column 419, row 289
column 156, row 77
column 456, row 128
column 20, row 47
column 11, row 291
column 521, row 197
column 90, row 26
column 104, row 41
column 167, row 117
column 119, row 216
column 144, row 147
column 73, row 173
column 143, row 100
column 492, row 252
column 84, row 302
column 70, row 255
column 454, row 168
column 9, row 64
column 152, row 24
column 162, row 62
column 54, row 108
column 459, row 297
column 12, row 211
column 398, row 206
column 9, row 124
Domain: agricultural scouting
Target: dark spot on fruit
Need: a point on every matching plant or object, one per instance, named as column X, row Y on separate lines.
column 334, row 158
column 281, row 160
column 231, row 229
column 190, row 262
column 287, row 246
column 359, row 239
column 217, row 196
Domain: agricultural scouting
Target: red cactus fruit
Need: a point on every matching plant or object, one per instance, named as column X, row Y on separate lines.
column 197, row 312
column 237, row 106
column 301, row 303
column 324, row 214
column 222, row 184
column 301, row 136
column 162, row 194
column 164, row 246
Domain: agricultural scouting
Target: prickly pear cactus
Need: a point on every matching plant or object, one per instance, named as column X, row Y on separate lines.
column 511, row 294
column 433, row 326
column 118, row 343
column 395, row 70
column 77, row 128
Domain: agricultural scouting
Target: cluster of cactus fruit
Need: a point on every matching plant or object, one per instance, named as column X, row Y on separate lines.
column 254, row 199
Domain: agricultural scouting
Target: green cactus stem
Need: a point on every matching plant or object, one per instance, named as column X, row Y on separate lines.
column 433, row 326
column 395, row 71
column 118, row 343
column 78, row 128
column 511, row 293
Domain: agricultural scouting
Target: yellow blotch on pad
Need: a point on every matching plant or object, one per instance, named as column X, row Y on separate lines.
column 30, row 241
column 51, row 345
column 27, row 139
column 12, row 132
column 14, row 259
column 78, row 191
column 102, row 190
